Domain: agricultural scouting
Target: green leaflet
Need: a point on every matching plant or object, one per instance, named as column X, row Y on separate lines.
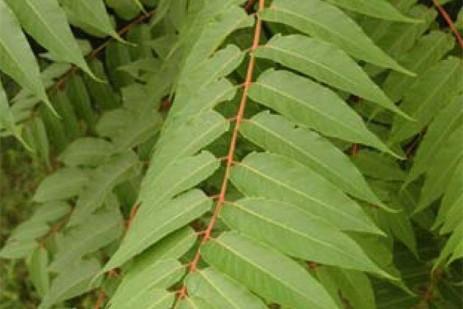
column 436, row 134
column 18, row 60
column 102, row 180
column 172, row 246
column 377, row 166
column 91, row 13
column 220, row 290
column 296, row 233
column 180, row 142
column 166, row 219
column 428, row 50
column 51, row 211
column 152, row 299
column 326, row 63
column 194, row 303
column 450, row 212
column 7, row 120
column 352, row 285
column 135, row 285
column 46, row 22
column 278, row 135
column 87, row 151
column 14, row 249
column 266, row 272
column 63, row 184
column 439, row 174
column 37, row 266
column 279, row 178
column 326, row 22
column 29, row 230
column 71, row 283
column 126, row 9
column 96, row 232
column 311, row 105
column 433, row 90
column 397, row 38
column 180, row 176
column 376, row 8
column 453, row 248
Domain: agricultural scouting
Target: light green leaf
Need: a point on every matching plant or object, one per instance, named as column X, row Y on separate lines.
column 326, row 63
column 279, row 178
column 179, row 142
column 127, row 9
column 441, row 171
column 194, row 303
column 18, row 60
column 432, row 91
column 96, row 232
column 351, row 285
column 151, row 226
column 29, row 230
column 51, row 211
column 376, row 8
column 278, row 135
column 452, row 249
column 135, row 285
column 37, row 267
column 91, row 13
column 172, row 246
column 428, row 50
column 451, row 209
column 46, row 22
column 266, row 272
column 71, row 283
column 311, row 105
column 326, row 22
column 220, row 290
column 436, row 134
column 7, row 120
column 296, row 233
column 15, row 249
column 63, row 184
column 87, row 151
column 375, row 165
column 101, row 183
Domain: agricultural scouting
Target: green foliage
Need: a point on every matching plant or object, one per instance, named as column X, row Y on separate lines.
column 305, row 156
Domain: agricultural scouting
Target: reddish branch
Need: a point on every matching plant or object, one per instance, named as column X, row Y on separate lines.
column 100, row 300
column 231, row 152
column 449, row 22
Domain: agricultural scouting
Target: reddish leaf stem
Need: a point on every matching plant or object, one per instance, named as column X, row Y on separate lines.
column 231, row 151
column 449, row 22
